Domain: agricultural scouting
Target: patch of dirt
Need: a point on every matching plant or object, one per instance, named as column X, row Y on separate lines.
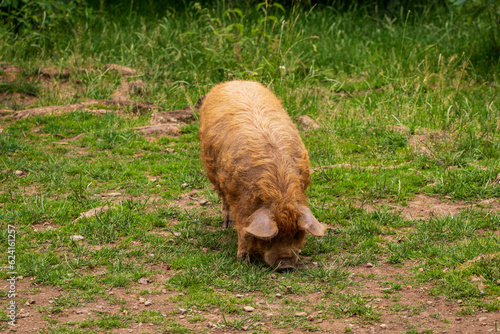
column 126, row 88
column 53, row 72
column 191, row 200
column 162, row 123
column 39, row 300
column 8, row 68
column 424, row 140
column 424, row 207
column 168, row 122
column 16, row 99
column 54, row 110
column 346, row 165
column 423, row 144
column 121, row 69
column 409, row 307
column 413, row 307
column 159, row 130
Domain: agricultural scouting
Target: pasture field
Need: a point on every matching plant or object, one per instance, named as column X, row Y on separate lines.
column 117, row 229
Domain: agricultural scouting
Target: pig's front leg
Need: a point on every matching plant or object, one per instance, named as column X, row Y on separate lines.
column 243, row 246
column 227, row 217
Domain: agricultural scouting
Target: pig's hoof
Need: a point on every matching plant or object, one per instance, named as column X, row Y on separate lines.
column 227, row 223
column 243, row 257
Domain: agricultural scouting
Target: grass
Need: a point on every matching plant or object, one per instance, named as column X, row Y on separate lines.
column 405, row 106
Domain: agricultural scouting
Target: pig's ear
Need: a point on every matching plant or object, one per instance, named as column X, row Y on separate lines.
column 261, row 225
column 309, row 223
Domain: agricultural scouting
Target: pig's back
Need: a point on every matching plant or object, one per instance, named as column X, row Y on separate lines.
column 249, row 141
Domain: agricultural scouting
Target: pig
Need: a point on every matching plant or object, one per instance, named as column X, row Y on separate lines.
column 254, row 157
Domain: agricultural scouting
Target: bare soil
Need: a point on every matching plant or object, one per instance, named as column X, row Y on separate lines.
column 414, row 307
column 424, row 207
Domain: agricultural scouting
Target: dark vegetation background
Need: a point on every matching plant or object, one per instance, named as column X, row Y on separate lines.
column 52, row 25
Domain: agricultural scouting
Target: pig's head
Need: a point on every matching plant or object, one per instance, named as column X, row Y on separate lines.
column 279, row 236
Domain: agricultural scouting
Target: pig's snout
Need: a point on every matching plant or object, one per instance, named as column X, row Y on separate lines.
column 284, row 264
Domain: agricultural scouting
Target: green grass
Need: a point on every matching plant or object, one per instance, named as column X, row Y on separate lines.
column 381, row 89
column 21, row 87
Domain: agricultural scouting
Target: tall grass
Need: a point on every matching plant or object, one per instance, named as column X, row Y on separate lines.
column 266, row 41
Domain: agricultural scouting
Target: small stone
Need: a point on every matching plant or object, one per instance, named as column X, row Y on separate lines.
column 420, row 270
column 19, row 173
column 144, row 280
column 81, row 311
column 20, row 277
column 300, row 314
column 320, row 312
column 308, row 122
column 245, row 328
column 76, row 237
column 141, row 300
column 383, row 326
column 182, row 311
column 182, row 316
column 112, row 194
column 310, row 318
column 210, row 324
column 278, row 295
column 94, row 211
column 177, row 234
column 148, row 303
column 205, row 250
column 458, row 318
column 248, row 309
column 273, row 276
column 315, row 263
column 125, row 312
column 184, row 185
column 24, row 315
column 239, row 296
column 369, row 265
column 170, row 150
column 204, row 202
column 29, row 302
column 269, row 315
column 483, row 319
column 460, row 301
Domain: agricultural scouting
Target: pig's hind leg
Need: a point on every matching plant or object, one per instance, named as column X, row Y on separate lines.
column 227, row 217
